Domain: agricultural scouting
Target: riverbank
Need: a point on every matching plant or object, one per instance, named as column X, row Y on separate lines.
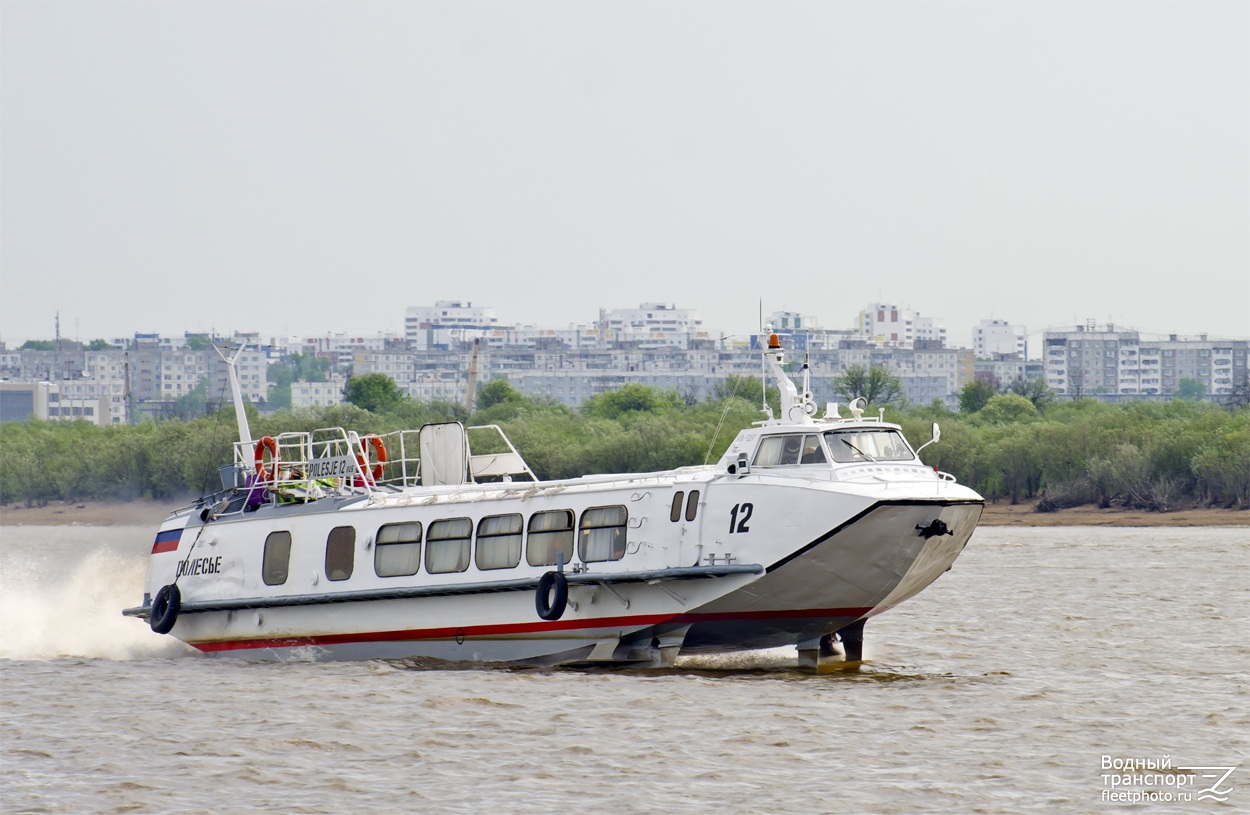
column 1026, row 514
column 147, row 512
column 143, row 512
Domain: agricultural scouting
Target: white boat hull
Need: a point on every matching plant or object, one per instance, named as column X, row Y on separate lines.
column 853, row 570
column 803, row 528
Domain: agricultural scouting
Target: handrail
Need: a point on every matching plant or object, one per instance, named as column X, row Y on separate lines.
column 331, row 460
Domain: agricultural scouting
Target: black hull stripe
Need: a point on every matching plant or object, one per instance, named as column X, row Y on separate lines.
column 855, row 519
column 408, row 592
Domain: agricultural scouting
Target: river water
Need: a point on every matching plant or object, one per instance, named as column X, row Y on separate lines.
column 1000, row 689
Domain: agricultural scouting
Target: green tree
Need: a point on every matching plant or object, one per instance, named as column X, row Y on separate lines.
column 633, row 398
column 197, row 342
column 278, row 397
column 1035, row 390
column 496, row 392
column 1223, row 465
column 876, row 384
column 1239, row 398
column 974, row 396
column 1007, row 408
column 1190, row 389
column 376, row 393
column 38, row 345
column 99, row 345
column 747, row 388
column 1013, row 455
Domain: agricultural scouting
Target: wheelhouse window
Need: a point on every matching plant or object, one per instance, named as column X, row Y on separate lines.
column 674, row 513
column 550, row 535
column 498, row 542
column 447, row 546
column 277, row 560
column 877, row 444
column 602, row 534
column 692, row 505
column 813, row 452
column 397, row 550
column 794, row 448
column 340, row 552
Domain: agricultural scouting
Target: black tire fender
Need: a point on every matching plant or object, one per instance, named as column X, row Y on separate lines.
column 165, row 607
column 550, row 606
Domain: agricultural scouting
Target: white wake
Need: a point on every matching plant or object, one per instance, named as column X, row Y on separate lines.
column 77, row 614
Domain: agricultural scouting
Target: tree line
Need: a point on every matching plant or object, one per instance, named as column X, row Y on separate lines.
column 1008, row 446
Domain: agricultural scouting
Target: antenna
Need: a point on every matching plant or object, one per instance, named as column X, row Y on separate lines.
column 763, row 364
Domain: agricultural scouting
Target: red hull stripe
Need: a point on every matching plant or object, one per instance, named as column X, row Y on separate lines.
column 167, row 541
column 521, row 629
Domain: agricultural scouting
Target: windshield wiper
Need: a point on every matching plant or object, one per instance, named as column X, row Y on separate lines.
column 857, row 450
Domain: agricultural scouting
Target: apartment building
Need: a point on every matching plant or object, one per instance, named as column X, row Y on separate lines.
column 570, row 375
column 925, row 373
column 318, row 394
column 654, row 325
column 1122, row 365
column 108, row 393
column 889, row 326
column 991, row 338
column 46, row 401
column 1004, row 369
column 445, row 322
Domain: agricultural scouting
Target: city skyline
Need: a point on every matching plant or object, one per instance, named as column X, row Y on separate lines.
column 713, row 333
column 1042, row 163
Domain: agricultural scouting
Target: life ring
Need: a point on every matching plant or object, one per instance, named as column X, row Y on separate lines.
column 165, row 607
column 379, row 450
column 271, row 444
column 549, row 606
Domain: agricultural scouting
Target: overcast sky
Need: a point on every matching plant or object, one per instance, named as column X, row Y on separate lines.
column 300, row 168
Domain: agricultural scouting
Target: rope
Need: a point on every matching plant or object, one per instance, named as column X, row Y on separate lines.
column 203, row 487
column 208, row 469
column 723, row 414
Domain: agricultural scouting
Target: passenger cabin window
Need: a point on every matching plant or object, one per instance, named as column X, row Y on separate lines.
column 277, row 560
column 692, row 506
column 340, row 552
column 397, row 550
column 796, row 448
column 602, row 534
column 550, row 534
column 674, row 514
column 877, row 444
column 447, row 546
column 498, row 542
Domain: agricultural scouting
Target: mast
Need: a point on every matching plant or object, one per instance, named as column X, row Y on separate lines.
column 245, row 432
column 795, row 407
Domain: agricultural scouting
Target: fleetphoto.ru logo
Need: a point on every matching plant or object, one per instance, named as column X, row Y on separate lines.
column 1123, row 780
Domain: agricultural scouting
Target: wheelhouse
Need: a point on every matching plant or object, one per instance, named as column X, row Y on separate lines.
column 841, row 446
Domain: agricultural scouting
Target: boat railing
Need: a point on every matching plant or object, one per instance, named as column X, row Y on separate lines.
column 495, row 456
column 303, row 466
column 403, row 458
column 488, row 455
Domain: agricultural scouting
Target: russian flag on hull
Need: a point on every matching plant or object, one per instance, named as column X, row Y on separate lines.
column 167, row 541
